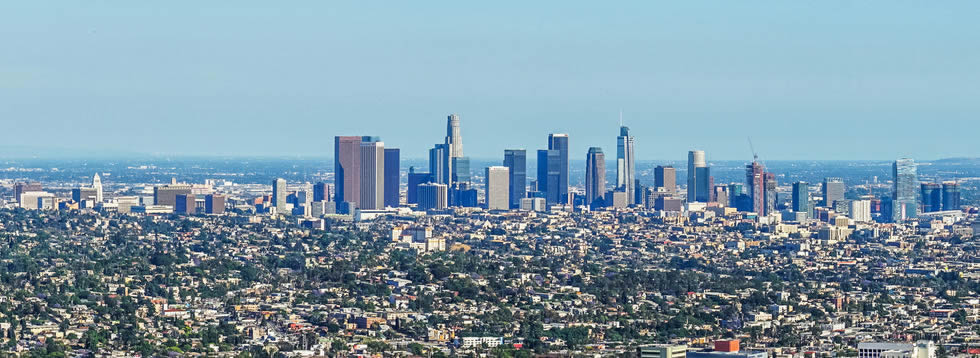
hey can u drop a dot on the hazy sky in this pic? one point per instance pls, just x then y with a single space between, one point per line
805 79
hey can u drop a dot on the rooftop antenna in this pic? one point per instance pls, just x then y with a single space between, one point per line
620 117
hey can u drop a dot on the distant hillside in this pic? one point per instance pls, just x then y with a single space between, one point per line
957 161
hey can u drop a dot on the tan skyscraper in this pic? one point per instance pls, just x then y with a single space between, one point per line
498 188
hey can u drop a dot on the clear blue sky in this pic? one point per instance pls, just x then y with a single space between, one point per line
806 79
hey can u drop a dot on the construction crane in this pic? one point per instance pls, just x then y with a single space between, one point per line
755 156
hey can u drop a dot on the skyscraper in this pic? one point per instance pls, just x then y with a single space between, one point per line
498 188
932 198
392 177
833 190
861 210
279 195
454 137
347 169
549 175
625 164
372 173
516 162
214 204
905 199
704 182
439 163
461 169
755 182
451 148
595 176
433 196
185 204
695 161
559 142
770 193
97 185
414 180
801 197
321 191
951 196
665 177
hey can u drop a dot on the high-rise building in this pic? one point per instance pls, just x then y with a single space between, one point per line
905 198
801 197
833 190
440 163
720 194
461 170
214 204
372 174
665 177
414 180
549 175
770 193
185 204
625 164
454 136
166 194
595 176
393 172
932 198
559 142
433 196
695 166
97 185
498 188
704 183
639 193
20 188
279 195
464 195
79 194
754 182
861 210
321 191
516 162
347 169
951 196
441 157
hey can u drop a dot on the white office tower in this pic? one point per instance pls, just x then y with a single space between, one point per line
626 164
372 175
97 185
498 188
861 210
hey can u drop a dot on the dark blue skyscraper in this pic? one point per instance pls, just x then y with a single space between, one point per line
549 175
461 169
951 196
801 197
392 177
559 143
516 161
439 165
932 199
595 177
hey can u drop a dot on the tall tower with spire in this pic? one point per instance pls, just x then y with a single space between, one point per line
97 185
625 162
